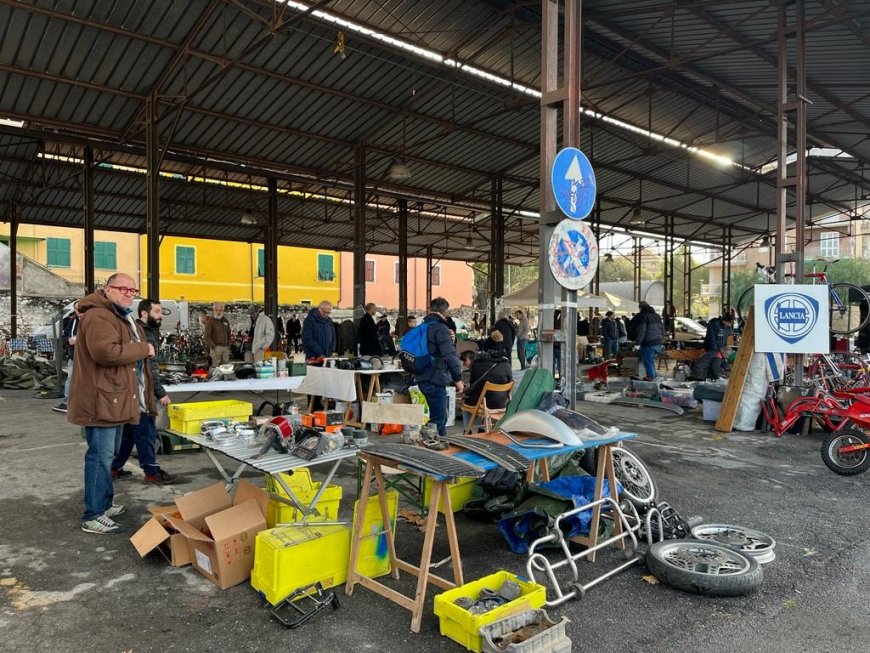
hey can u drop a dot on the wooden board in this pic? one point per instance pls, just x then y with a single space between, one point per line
376 413
737 377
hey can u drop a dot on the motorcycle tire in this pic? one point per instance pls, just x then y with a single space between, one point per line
703 567
848 464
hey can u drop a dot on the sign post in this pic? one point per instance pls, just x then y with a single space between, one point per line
792 319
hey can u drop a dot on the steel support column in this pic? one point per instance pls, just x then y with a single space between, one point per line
725 293
687 280
88 202
270 256
637 255
496 247
403 258
429 264
359 230
670 243
13 270
152 198
558 101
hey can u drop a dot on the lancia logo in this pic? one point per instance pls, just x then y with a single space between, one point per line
791 315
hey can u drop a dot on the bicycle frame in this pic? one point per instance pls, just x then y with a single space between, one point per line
833 411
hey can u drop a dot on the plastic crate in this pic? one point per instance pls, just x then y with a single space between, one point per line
300 479
463 627
278 512
461 492
291 557
297 369
171 443
551 640
187 418
678 397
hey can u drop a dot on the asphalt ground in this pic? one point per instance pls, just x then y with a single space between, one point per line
63 590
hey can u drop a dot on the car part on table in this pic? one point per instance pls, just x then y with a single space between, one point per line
494 451
704 567
633 475
847 452
279 433
425 460
750 542
309 444
314 595
537 422
646 403
538 563
245 371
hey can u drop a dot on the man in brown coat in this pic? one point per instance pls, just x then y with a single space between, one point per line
216 335
111 386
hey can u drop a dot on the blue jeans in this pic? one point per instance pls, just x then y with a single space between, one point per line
648 355
436 397
610 348
521 353
143 435
103 443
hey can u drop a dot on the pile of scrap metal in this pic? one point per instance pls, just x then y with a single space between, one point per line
27 372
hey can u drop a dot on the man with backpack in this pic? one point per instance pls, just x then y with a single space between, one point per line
429 354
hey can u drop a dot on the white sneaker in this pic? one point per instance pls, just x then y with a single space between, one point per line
115 510
101 525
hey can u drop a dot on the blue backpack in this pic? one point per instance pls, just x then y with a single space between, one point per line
414 350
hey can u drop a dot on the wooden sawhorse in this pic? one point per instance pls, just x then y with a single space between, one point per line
604 469
440 492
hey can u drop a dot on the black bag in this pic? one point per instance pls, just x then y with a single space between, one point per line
499 481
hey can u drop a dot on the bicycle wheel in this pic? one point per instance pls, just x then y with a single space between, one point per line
845 308
746 301
845 453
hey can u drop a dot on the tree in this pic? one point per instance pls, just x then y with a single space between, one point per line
619 269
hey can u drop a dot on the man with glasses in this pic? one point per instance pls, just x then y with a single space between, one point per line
217 336
111 386
318 339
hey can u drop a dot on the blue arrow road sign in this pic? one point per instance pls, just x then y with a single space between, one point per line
573 183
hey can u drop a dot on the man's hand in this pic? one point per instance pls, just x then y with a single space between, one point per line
459 385
637 347
164 400
150 350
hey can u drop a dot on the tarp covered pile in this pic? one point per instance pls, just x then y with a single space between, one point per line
26 372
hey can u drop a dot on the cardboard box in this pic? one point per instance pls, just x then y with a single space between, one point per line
220 531
159 534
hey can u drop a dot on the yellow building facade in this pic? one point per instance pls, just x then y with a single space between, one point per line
202 270
193 269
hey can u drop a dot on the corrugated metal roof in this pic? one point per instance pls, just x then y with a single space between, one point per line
285 102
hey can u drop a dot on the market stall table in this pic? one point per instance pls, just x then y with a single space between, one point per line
343 385
255 386
530 448
272 463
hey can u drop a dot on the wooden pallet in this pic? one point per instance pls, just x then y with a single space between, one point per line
737 377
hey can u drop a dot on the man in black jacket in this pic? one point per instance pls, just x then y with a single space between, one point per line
485 366
650 333
445 368
69 328
367 339
508 331
294 330
144 434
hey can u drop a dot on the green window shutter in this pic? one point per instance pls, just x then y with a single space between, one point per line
185 260
58 252
105 256
325 271
261 263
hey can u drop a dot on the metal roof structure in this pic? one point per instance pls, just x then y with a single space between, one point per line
252 89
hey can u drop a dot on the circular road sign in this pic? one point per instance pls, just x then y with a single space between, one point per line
573 254
573 183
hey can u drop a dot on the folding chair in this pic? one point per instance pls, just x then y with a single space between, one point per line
481 410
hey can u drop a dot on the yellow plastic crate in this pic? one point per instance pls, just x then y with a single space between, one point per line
374 554
461 492
291 557
187 418
461 626
278 512
299 480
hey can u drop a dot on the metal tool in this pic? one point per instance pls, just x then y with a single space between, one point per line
494 451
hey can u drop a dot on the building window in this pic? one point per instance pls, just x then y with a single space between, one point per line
370 271
105 256
57 252
829 244
436 275
325 270
185 260
261 263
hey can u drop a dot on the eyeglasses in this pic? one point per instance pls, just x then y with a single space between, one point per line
124 290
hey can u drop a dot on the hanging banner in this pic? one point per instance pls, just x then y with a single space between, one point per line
573 254
792 319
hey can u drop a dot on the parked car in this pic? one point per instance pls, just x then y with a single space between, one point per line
688 329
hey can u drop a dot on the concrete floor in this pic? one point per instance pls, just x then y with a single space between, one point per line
61 589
